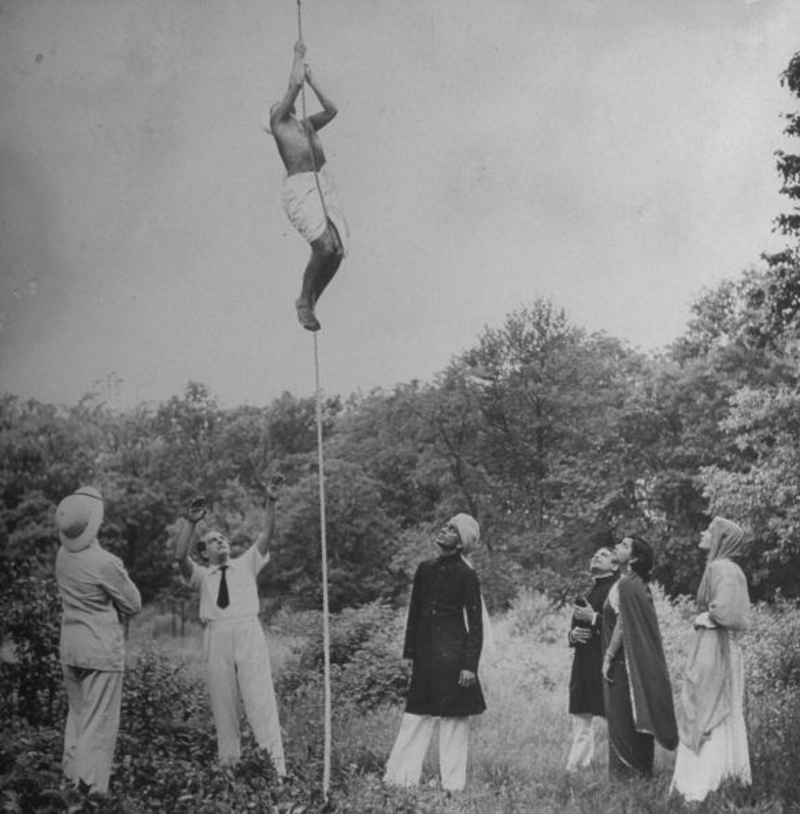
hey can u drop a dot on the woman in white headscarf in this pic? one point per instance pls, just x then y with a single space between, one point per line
711 721
444 639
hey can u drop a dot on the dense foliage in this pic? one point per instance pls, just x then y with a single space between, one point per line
555 439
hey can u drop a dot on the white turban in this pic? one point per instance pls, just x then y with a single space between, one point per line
468 530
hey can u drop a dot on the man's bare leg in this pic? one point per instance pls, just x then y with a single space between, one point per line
306 301
327 273
326 255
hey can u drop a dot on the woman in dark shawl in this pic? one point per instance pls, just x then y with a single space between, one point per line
711 717
638 695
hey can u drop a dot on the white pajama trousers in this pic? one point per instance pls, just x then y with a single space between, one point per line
404 766
90 736
237 666
581 753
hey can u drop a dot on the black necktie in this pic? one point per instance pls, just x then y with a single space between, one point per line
222 597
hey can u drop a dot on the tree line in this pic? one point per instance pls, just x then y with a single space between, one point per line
555 438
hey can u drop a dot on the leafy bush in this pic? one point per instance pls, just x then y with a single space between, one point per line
535 610
772 670
30 673
374 675
167 749
30 769
160 696
365 646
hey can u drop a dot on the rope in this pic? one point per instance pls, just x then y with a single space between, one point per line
305 125
326 647
326 774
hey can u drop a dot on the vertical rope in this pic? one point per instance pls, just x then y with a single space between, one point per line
326 774
326 647
305 125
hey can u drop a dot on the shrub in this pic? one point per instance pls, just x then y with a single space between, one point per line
772 685
30 769
160 696
30 674
374 675
535 610
365 646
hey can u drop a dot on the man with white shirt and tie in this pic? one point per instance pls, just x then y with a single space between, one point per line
236 654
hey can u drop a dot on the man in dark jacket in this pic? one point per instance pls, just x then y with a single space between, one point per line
586 680
444 637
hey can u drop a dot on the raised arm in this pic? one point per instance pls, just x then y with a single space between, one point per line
273 494
329 109
282 110
183 545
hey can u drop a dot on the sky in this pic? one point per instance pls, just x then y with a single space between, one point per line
615 157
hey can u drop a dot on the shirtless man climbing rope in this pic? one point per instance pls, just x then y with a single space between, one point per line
309 195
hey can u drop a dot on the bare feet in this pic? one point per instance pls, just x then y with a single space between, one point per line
305 314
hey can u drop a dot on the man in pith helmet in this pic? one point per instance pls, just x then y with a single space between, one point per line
96 592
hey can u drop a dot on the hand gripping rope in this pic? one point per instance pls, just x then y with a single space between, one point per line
326 774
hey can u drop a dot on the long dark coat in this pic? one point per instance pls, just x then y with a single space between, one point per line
586 679
440 642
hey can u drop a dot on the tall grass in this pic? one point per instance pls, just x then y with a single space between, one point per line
518 746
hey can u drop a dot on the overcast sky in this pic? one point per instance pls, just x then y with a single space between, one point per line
613 156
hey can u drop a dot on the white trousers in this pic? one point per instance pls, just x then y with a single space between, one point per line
581 752
90 737
238 667
405 762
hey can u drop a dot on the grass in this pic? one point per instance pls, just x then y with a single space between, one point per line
518 747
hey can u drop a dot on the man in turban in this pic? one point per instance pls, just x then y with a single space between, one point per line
444 638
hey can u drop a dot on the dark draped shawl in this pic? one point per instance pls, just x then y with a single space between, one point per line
651 692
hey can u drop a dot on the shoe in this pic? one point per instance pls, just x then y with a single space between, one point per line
305 314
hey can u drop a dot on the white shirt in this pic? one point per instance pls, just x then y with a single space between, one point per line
613 597
240 576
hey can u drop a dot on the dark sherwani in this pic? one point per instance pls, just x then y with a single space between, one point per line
586 678
440 642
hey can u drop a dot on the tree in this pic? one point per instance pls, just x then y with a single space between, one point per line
779 295
359 536
765 494
758 484
390 436
549 397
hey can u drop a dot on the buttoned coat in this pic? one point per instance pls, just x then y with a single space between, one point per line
95 590
586 679
444 636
